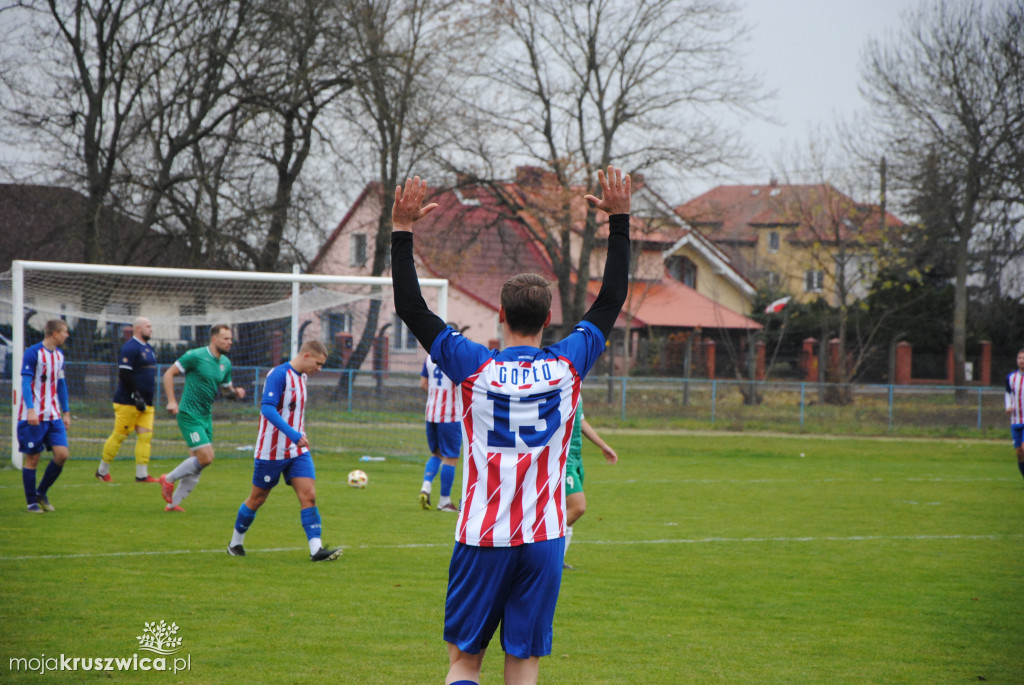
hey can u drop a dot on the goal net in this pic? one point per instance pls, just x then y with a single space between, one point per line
366 401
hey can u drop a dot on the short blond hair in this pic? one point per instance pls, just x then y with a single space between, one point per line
314 347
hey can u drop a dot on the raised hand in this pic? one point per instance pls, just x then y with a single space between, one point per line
615 192
409 207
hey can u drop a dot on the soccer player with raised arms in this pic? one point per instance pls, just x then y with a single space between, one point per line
207 371
43 414
519 406
133 402
282 448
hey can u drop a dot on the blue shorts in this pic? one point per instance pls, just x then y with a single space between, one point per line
33 439
266 472
1016 430
445 438
516 586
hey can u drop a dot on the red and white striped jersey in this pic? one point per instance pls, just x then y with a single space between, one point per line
44 369
1015 396
443 405
284 393
519 409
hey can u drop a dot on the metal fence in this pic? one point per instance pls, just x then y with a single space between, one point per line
382 413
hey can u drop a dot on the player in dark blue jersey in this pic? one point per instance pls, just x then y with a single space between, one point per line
133 402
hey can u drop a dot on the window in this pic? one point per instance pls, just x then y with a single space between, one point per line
338 322
771 279
123 313
402 339
682 269
814 281
357 250
188 332
773 241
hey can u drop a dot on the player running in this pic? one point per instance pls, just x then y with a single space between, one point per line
282 448
207 371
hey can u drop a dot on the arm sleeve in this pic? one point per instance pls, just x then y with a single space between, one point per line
62 394
26 391
269 411
409 303
125 376
615 285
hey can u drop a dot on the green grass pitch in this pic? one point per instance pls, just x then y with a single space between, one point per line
701 559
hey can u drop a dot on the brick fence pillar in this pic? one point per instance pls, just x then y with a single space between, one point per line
759 348
986 362
808 361
709 358
904 357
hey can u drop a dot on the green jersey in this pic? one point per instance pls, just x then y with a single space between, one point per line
575 456
204 377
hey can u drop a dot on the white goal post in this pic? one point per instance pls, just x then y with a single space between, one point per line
240 298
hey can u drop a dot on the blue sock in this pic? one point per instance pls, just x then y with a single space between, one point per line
28 479
430 470
311 522
447 478
465 682
53 470
244 518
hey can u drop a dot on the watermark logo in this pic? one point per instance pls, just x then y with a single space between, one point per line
159 638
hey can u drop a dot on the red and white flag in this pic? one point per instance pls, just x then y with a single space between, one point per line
777 306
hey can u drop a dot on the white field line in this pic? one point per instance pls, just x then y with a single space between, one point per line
647 481
678 541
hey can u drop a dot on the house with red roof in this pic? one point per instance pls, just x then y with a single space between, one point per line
807 241
476 241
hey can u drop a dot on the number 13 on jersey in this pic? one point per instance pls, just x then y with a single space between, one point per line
532 418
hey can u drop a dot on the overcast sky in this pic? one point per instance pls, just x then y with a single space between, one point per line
809 52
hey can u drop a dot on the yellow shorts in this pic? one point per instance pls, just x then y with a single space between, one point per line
128 418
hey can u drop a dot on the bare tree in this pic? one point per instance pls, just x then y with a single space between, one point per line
76 76
945 93
405 54
578 85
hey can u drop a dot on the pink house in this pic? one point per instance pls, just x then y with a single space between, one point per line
476 243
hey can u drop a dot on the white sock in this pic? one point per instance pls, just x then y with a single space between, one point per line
142 471
426 487
103 469
184 489
568 538
444 500
189 467
236 538
314 545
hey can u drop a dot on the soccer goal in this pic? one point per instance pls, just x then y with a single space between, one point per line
363 401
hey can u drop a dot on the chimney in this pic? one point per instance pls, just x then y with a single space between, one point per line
534 177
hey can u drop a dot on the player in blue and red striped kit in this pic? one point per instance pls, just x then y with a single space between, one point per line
282 448
43 414
442 416
1015 408
519 406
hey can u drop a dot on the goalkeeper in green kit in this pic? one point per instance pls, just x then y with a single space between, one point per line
207 372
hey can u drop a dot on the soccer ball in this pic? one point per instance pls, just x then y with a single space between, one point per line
357 479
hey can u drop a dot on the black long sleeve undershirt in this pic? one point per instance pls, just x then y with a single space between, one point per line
409 303
426 326
615 283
